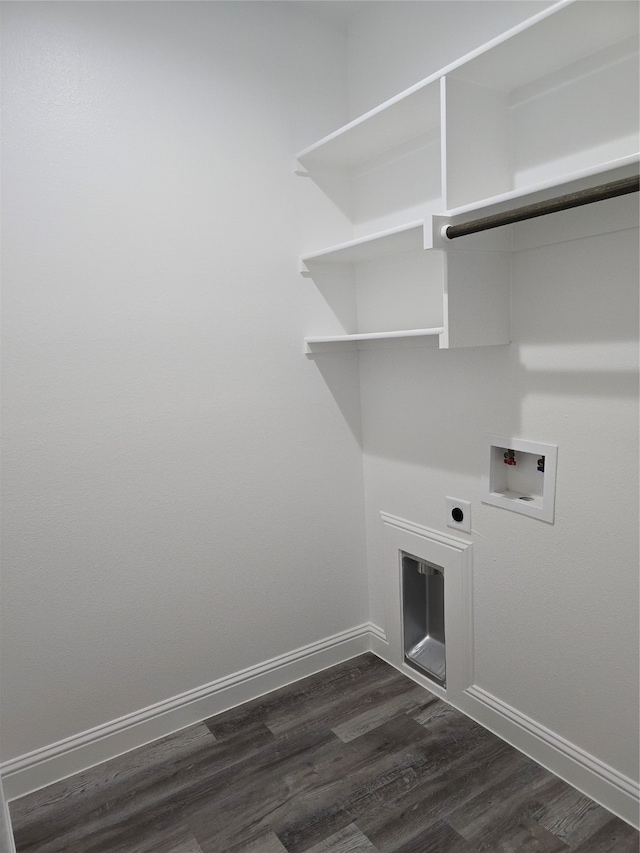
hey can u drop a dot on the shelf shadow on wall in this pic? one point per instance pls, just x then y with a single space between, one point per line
419 404
430 408
340 371
601 384
574 307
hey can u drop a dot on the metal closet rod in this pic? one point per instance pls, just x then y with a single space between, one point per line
542 208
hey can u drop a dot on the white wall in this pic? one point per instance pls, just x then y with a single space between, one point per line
183 492
556 616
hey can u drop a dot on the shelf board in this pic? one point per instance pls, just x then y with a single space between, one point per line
403 238
354 340
541 55
559 36
375 336
409 115
533 49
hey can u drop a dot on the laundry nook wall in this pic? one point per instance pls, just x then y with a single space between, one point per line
568 379
195 504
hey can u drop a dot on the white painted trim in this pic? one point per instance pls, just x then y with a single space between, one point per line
59 760
455 557
376 633
427 532
378 643
602 783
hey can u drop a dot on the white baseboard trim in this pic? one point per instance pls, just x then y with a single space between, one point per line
57 761
378 643
616 792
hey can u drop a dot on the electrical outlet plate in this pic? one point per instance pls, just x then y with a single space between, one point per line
465 508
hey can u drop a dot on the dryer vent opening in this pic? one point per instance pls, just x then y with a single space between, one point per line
423 617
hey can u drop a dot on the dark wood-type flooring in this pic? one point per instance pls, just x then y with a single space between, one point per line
356 758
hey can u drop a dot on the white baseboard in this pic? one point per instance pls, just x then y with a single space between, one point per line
378 643
49 764
583 771
57 761
597 780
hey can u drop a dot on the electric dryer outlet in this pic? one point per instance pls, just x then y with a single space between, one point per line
459 514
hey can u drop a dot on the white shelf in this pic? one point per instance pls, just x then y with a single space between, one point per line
391 241
411 236
548 108
565 33
375 336
379 294
561 35
410 115
556 98
383 168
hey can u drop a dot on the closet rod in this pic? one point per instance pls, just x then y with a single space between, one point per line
542 208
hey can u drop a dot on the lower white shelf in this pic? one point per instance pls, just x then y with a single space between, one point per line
403 238
357 339
457 298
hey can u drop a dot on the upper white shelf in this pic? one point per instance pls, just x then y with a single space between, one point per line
561 35
548 108
412 114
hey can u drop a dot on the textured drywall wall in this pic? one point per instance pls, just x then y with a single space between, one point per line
182 492
555 606
182 489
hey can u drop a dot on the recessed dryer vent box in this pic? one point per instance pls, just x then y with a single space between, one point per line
520 476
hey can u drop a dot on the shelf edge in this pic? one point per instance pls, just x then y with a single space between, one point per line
375 336
434 77
363 241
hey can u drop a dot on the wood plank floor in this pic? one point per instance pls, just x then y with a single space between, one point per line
356 758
